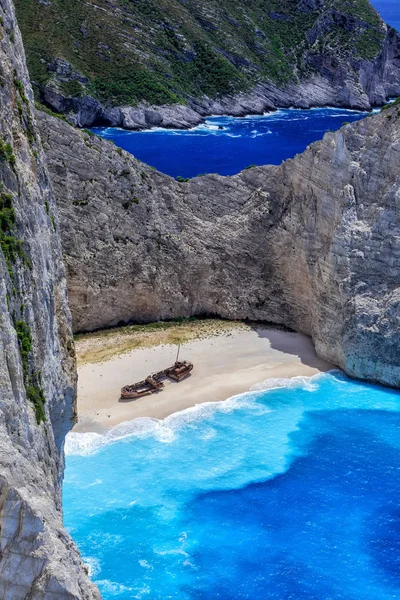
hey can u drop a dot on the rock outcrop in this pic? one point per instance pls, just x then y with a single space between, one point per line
313 244
361 91
140 64
38 559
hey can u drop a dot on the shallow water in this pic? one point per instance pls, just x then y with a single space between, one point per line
285 493
259 140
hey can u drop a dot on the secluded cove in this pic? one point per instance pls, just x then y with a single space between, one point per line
226 145
282 492
228 356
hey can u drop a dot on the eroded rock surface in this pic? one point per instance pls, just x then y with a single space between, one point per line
313 244
38 560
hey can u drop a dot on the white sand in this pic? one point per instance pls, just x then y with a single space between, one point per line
223 366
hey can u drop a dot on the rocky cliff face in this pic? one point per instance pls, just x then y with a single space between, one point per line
171 62
38 559
313 244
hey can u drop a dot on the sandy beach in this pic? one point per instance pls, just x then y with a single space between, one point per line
224 365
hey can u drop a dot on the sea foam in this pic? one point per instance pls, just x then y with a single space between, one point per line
227 145
283 491
83 444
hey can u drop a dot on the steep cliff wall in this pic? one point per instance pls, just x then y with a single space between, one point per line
313 244
38 560
170 62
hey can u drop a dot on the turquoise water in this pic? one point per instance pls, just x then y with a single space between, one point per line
226 145
288 493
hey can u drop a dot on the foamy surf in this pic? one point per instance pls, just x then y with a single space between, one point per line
164 430
227 145
306 383
231 496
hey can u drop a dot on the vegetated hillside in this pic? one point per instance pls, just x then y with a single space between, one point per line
123 52
312 244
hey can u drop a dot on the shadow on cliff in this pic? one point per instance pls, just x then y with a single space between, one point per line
295 344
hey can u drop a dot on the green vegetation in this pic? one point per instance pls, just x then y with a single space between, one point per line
128 203
72 88
20 87
164 51
34 391
25 344
367 39
10 245
362 8
102 345
391 104
6 152
48 111
12 249
369 43
183 179
7 213
137 83
208 73
35 394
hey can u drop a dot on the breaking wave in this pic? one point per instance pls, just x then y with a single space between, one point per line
227 145
83 444
281 490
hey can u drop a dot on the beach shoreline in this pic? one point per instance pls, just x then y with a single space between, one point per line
226 363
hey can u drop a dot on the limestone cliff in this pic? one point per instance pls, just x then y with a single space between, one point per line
313 244
170 62
38 559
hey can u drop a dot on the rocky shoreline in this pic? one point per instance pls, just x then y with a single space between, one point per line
346 57
317 92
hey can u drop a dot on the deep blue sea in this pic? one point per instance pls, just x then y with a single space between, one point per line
389 11
289 493
241 142
226 145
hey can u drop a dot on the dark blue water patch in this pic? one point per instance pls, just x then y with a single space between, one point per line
283 494
389 11
226 145
327 529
